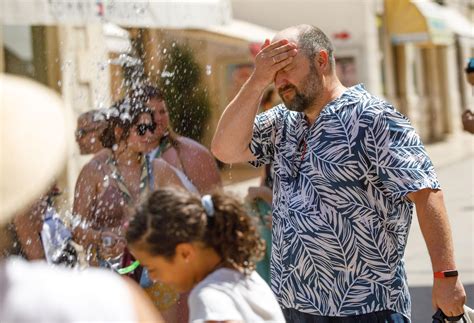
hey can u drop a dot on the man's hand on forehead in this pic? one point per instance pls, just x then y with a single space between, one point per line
273 57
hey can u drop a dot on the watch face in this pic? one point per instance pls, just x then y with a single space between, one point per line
451 273
446 273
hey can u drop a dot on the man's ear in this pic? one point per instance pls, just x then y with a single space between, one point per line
322 60
185 252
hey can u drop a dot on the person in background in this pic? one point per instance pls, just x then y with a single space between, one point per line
207 245
35 291
196 164
39 233
24 231
193 163
111 184
90 126
259 199
468 115
349 169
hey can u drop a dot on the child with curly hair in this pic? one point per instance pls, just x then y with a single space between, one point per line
208 245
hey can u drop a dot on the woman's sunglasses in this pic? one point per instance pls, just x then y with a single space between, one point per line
143 127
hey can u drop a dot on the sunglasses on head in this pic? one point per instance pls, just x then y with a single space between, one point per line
143 127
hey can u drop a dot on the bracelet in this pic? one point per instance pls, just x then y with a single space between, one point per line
129 269
446 274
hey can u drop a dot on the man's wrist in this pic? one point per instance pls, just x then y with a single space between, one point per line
258 83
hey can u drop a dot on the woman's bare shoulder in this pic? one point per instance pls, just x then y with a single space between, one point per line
160 163
165 174
94 166
102 155
192 147
163 168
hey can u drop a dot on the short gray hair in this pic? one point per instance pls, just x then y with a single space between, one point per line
313 40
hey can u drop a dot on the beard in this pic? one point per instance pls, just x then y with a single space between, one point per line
304 98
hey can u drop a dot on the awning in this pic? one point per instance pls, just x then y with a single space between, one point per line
418 21
146 13
117 39
243 30
459 24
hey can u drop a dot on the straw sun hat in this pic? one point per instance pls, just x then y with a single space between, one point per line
32 142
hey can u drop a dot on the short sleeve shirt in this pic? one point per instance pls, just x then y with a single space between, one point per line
227 294
340 212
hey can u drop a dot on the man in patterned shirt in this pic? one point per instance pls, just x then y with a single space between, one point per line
348 170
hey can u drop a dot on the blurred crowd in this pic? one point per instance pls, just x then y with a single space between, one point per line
134 152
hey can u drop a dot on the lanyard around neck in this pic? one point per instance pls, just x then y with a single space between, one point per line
165 144
144 179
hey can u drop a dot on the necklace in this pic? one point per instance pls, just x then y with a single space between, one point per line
144 179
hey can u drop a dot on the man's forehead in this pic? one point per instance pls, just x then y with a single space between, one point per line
154 103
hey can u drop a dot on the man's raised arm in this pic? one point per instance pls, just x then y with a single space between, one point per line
234 130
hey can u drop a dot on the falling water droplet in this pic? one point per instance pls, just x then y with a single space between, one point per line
208 69
106 181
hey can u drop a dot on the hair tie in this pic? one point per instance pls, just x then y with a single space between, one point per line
207 204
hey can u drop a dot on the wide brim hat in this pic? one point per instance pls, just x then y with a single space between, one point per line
33 142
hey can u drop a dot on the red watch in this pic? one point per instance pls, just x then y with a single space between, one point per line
446 274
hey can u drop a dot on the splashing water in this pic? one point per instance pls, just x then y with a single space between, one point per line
106 181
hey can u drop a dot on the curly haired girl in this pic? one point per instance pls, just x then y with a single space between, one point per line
208 245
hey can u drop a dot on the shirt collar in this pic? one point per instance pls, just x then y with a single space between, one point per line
350 96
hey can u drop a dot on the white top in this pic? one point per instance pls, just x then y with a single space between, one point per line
36 292
227 294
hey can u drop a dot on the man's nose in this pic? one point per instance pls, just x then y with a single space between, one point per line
280 80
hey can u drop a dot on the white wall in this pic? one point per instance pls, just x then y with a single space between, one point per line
85 83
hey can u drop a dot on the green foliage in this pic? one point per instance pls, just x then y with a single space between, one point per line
186 97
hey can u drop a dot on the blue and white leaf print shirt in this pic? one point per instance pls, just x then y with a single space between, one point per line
340 212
